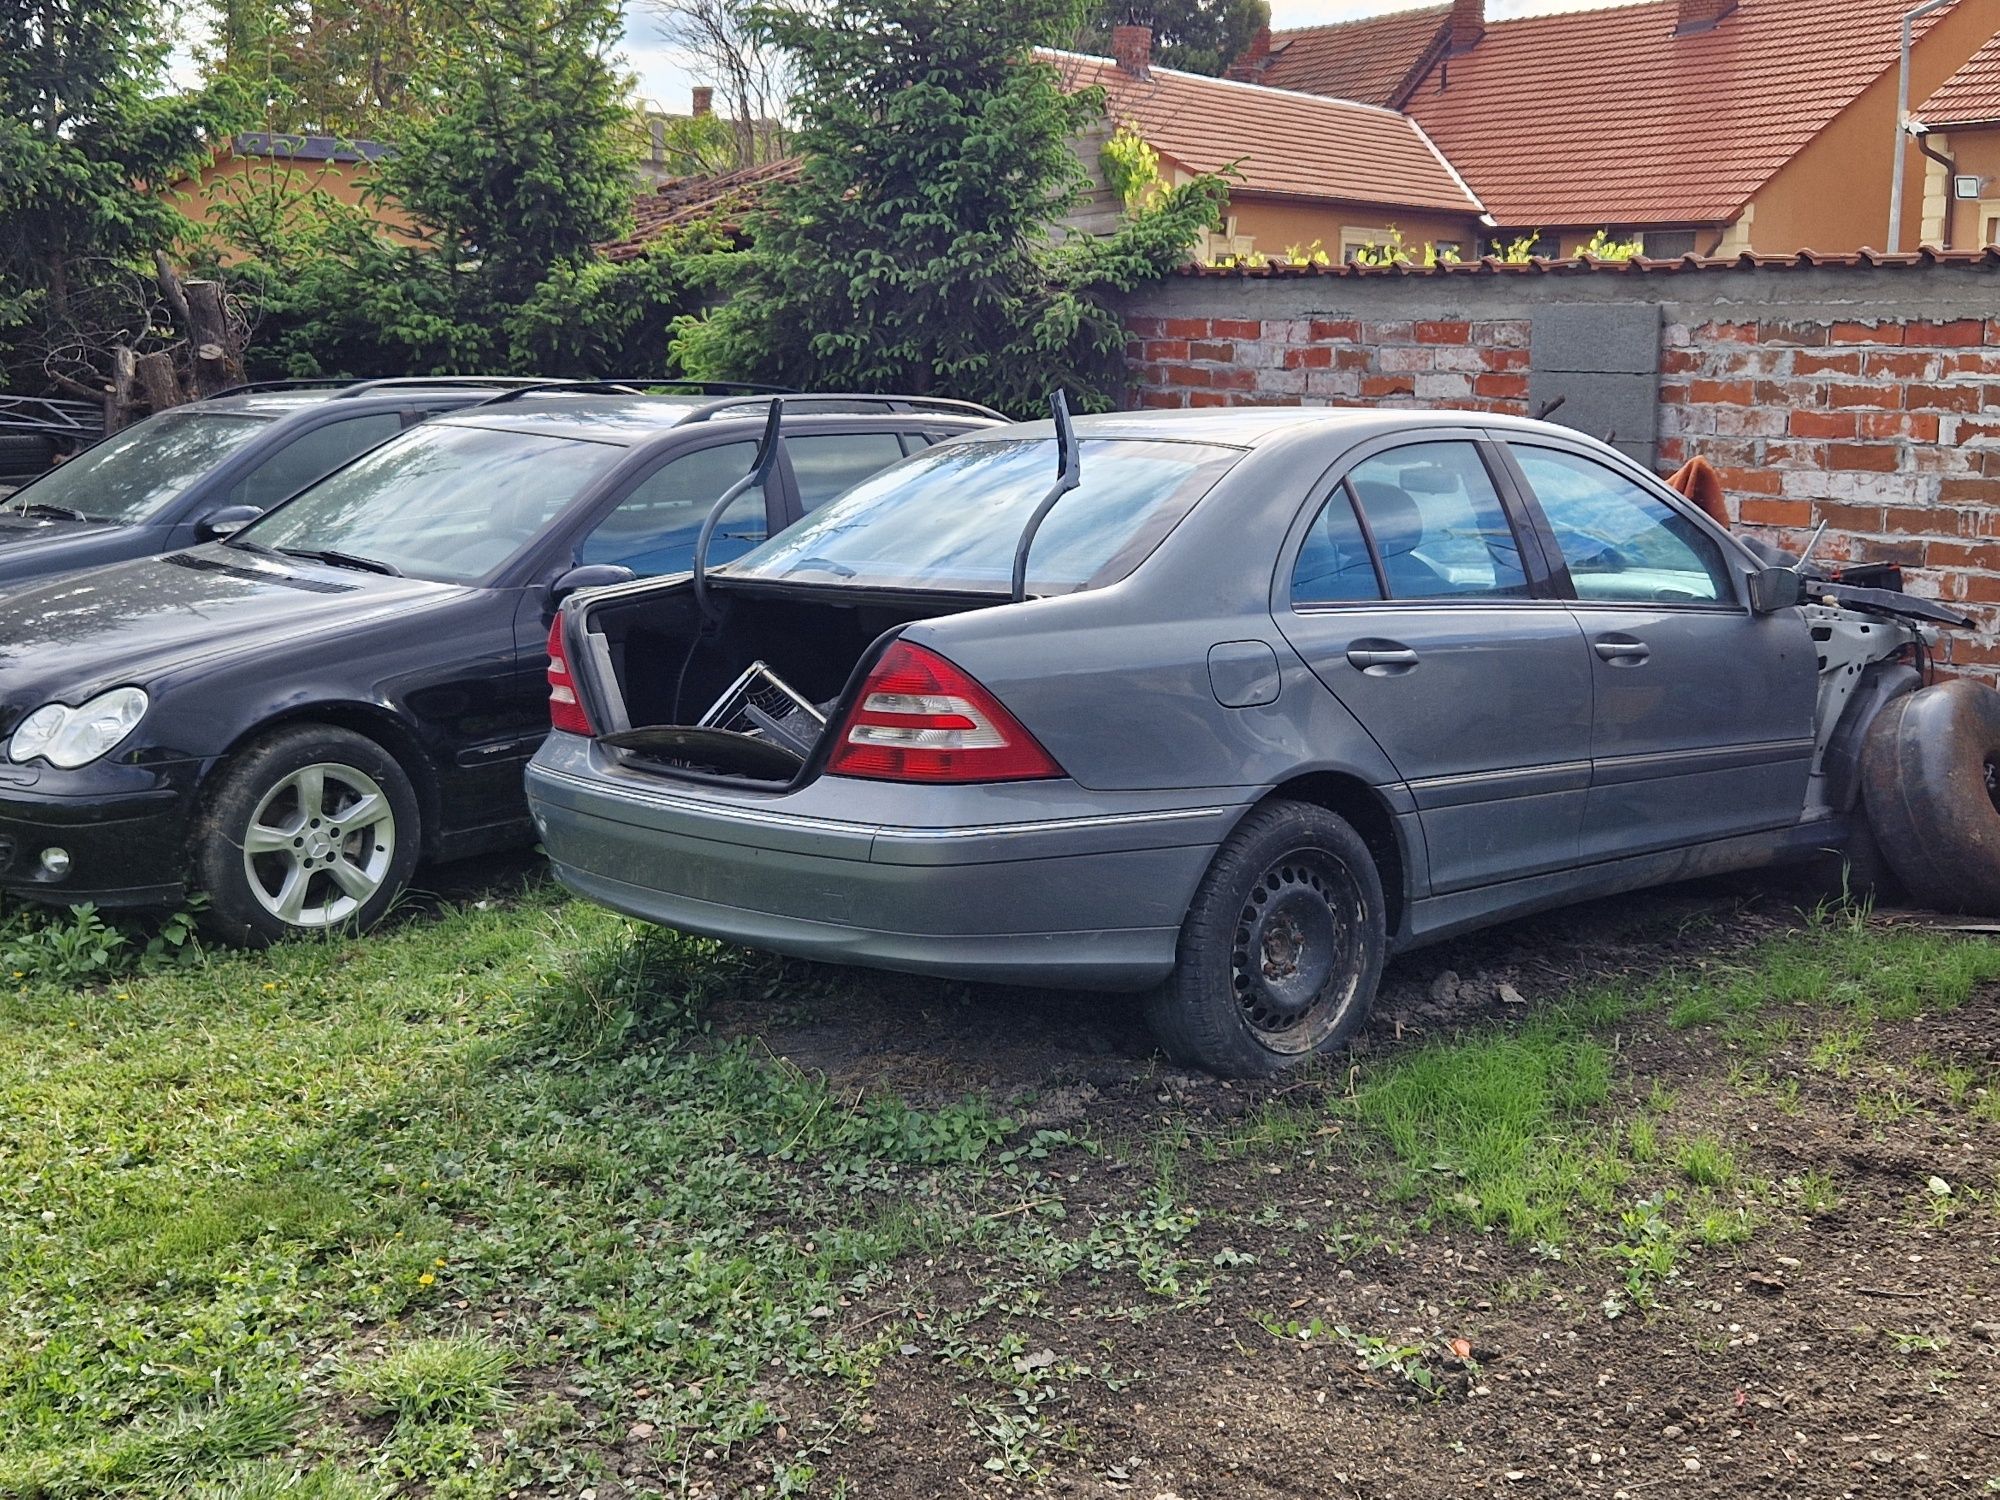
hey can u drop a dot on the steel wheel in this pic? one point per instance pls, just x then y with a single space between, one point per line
321 843
1295 964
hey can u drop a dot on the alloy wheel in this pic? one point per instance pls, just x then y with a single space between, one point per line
320 845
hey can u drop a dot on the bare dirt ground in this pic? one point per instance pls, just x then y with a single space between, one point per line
1846 1348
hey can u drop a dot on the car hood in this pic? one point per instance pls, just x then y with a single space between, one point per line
134 621
40 546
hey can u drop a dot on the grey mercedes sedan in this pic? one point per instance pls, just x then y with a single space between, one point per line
1228 706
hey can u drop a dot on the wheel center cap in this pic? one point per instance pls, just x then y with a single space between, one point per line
1282 944
318 845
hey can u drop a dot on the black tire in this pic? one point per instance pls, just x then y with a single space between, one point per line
25 455
263 792
1295 886
1929 776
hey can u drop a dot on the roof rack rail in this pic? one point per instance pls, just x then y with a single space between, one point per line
432 382
633 385
350 386
248 387
795 403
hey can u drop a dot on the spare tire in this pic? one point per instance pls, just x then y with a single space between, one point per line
1930 777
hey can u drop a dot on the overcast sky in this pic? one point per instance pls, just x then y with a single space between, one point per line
665 80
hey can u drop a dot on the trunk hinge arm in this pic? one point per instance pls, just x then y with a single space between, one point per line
760 470
1068 468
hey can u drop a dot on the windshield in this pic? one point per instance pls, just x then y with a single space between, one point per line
949 519
446 502
133 473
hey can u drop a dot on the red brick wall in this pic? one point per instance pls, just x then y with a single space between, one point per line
1884 430
1887 428
1479 364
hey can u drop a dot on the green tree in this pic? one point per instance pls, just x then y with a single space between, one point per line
1195 36
517 159
89 139
338 67
915 251
522 155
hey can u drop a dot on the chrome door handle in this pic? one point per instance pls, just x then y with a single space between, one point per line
1622 650
1383 660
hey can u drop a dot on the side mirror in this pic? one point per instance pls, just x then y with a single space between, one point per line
1773 589
218 525
588 576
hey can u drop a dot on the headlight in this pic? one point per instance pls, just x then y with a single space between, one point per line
72 737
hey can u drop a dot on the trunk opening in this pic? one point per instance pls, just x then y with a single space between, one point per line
653 673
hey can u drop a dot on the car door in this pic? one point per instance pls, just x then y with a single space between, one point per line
652 525
1415 601
1703 712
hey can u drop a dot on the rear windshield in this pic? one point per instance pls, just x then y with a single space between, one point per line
949 519
133 473
445 502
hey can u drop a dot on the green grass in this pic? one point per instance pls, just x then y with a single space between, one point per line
1481 1125
447 1212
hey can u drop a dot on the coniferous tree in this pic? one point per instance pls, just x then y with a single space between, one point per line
918 249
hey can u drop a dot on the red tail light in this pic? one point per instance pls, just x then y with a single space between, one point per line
566 711
920 718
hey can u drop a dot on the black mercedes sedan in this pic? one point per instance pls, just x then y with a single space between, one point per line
289 720
198 472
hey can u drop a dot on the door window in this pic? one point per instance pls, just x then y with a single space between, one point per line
827 464
653 529
312 456
1622 544
1438 527
1334 565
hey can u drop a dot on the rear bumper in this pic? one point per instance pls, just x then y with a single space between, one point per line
123 828
1035 883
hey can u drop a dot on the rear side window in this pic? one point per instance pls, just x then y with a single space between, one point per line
949 519
831 462
1438 527
1622 545
313 455
653 529
1334 565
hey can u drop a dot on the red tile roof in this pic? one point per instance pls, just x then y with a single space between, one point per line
1285 144
1606 117
1969 96
1370 60
1803 260
682 201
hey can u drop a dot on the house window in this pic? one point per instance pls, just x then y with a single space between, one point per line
1668 244
1354 240
1989 224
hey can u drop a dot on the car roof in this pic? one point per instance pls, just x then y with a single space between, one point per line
1257 426
629 420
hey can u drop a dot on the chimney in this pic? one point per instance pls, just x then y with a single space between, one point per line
1700 15
1468 24
704 100
1250 61
1132 47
